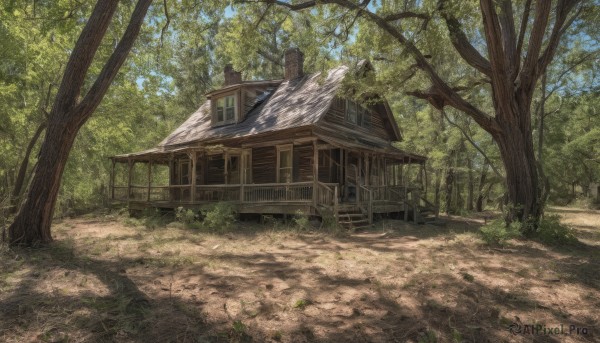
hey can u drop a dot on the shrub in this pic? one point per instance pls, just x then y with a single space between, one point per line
301 221
219 216
185 216
153 218
497 232
552 231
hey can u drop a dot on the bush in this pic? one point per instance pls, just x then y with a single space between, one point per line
154 219
552 231
497 232
301 221
185 216
219 216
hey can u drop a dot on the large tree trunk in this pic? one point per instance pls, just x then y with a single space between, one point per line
516 149
32 224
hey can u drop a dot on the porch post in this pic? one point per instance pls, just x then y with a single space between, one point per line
149 179
226 169
112 179
171 177
367 171
315 171
193 192
130 165
358 172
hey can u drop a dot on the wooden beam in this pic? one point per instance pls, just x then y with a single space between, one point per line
315 171
149 180
130 165
193 175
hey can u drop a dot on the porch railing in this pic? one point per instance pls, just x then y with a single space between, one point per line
278 192
246 193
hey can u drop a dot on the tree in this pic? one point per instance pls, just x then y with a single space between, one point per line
68 114
514 59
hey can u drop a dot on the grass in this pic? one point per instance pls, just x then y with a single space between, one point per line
118 279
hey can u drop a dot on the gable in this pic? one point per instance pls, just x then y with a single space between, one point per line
294 103
379 122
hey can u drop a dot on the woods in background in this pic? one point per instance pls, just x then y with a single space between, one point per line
183 46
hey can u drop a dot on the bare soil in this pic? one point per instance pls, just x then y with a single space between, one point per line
108 278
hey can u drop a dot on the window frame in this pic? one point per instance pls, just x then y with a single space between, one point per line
215 108
281 148
362 114
185 172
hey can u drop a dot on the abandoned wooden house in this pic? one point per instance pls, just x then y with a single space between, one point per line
278 147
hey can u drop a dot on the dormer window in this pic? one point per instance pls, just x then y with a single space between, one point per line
225 110
357 114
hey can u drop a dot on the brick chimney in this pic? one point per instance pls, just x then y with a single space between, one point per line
294 63
232 77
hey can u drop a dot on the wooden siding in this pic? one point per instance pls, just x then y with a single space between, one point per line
302 166
376 125
215 171
263 165
328 170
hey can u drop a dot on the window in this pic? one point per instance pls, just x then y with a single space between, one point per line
357 114
351 112
284 164
226 109
184 172
233 169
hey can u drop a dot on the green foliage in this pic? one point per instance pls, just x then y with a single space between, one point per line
239 327
301 221
185 216
428 336
219 216
153 218
498 233
302 303
551 231
468 277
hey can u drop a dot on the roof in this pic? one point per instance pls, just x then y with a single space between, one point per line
295 103
288 104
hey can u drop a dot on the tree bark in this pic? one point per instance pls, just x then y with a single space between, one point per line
480 194
471 186
18 187
517 152
31 226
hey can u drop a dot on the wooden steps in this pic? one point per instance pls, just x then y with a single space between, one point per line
350 216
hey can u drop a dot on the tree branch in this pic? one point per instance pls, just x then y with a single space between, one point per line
404 15
509 36
522 31
83 55
116 60
166 26
528 72
462 45
496 171
560 25
450 97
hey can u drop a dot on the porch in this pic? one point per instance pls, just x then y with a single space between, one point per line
311 176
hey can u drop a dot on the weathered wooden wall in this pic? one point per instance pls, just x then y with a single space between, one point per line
264 164
215 170
337 115
302 167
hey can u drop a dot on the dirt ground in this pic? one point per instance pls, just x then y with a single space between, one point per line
107 278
